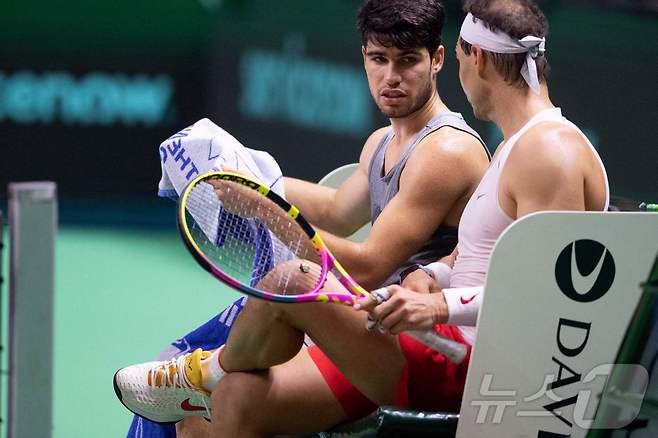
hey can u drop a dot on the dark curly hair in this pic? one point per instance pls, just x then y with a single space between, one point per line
404 24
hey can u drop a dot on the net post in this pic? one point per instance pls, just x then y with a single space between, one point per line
3 369
33 226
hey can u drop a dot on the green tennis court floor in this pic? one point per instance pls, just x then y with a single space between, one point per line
121 296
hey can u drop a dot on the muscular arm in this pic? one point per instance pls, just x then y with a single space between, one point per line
545 171
443 169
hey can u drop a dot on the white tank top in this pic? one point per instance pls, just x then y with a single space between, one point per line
484 220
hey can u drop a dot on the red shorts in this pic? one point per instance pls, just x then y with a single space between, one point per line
428 381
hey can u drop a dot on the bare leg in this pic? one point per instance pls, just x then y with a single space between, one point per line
193 427
265 403
267 334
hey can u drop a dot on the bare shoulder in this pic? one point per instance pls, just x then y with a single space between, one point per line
448 140
370 146
552 167
448 161
451 152
551 147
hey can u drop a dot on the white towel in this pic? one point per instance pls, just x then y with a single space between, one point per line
203 147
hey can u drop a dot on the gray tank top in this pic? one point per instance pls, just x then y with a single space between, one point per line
384 188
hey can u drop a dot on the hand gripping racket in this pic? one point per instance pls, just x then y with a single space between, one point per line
257 243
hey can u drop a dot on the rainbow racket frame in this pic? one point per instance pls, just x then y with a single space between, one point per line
328 261
454 351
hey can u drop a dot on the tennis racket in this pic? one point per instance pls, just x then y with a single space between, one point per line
254 241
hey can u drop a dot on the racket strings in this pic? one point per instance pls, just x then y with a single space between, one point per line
252 239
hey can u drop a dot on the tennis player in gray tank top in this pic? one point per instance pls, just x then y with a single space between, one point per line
413 179
383 187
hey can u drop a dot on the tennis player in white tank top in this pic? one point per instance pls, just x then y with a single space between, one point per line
484 220
544 163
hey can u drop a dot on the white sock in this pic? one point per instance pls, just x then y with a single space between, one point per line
211 370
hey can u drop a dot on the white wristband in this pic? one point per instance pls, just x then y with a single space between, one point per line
463 304
440 272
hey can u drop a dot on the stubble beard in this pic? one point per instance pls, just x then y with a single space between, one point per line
423 97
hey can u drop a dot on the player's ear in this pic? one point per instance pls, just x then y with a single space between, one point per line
481 60
438 58
363 53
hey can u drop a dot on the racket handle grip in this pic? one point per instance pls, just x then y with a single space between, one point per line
454 351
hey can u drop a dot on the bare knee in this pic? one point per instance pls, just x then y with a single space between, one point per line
292 277
268 312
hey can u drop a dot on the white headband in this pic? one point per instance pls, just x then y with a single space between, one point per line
474 32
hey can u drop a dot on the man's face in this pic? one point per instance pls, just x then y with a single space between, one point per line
471 84
401 81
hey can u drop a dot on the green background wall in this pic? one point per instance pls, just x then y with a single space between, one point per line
125 285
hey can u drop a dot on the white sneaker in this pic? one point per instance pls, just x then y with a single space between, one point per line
167 391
